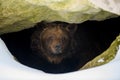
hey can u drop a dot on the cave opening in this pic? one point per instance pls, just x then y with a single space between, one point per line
94 38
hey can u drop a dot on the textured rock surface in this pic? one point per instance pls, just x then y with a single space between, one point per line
112 6
16 15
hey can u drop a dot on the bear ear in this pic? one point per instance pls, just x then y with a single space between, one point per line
40 25
71 28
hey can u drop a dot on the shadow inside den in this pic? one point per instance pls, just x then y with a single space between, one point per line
93 37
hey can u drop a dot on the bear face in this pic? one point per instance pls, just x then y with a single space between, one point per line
55 42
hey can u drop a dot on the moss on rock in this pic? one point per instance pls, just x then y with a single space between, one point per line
16 15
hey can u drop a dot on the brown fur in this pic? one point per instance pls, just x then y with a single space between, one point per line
55 41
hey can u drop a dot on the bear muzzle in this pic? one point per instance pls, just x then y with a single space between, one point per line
58 49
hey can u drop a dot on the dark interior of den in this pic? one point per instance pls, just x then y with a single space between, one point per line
93 37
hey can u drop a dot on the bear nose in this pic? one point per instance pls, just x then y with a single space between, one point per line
58 48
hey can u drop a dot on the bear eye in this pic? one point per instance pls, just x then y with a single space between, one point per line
63 39
50 38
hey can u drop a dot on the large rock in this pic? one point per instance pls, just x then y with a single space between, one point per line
16 15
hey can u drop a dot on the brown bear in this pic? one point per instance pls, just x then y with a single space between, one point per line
55 41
